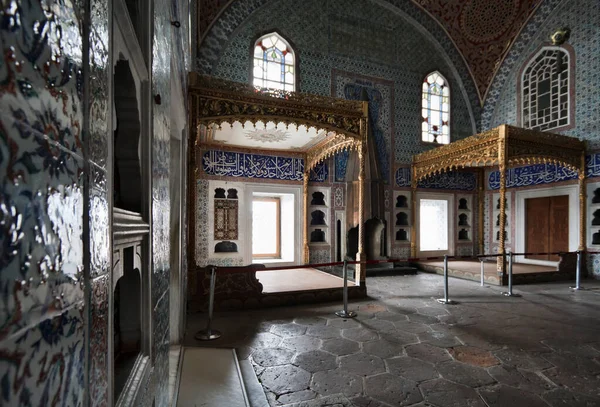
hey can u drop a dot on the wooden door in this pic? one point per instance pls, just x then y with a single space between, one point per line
547 226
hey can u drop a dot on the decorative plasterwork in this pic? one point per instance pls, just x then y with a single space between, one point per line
500 146
482 30
215 101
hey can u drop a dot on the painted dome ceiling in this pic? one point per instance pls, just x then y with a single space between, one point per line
482 30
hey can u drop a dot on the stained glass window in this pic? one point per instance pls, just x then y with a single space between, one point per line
435 109
274 63
545 98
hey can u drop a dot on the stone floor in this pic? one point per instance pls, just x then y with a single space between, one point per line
405 349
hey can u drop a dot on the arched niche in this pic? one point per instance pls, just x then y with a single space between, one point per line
127 164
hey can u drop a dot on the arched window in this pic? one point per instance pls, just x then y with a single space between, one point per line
274 63
435 109
545 96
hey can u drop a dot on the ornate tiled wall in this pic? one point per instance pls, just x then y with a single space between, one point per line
43 313
55 263
364 32
405 61
348 48
583 18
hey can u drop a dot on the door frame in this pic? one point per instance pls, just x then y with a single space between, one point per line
439 196
573 192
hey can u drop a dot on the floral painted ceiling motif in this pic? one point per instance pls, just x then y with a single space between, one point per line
483 30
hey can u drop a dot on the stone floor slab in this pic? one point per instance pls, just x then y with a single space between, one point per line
444 393
284 379
440 339
264 340
267 357
360 334
473 356
522 379
288 330
522 359
401 337
301 343
393 390
340 346
324 332
564 398
310 321
315 361
411 368
384 349
335 382
391 316
464 374
412 327
362 364
423 319
428 353
302 395
503 396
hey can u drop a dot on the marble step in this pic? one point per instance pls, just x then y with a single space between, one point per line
255 391
211 377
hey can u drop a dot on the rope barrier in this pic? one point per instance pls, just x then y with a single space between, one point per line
208 333
227 270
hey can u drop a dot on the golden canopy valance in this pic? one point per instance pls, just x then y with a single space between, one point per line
504 145
215 101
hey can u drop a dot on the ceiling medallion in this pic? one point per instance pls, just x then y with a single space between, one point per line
267 135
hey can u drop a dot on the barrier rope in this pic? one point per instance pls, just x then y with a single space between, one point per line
227 270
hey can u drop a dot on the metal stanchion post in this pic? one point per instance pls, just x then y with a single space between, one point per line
509 293
578 272
345 313
482 267
446 300
209 334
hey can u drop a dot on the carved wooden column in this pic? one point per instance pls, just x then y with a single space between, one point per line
502 169
481 200
305 220
360 256
582 204
413 213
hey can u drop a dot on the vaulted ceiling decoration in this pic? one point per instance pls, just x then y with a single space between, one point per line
483 31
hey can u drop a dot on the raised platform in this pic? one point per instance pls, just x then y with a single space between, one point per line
522 273
285 281
255 286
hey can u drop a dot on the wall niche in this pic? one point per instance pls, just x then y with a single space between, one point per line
226 214
593 215
464 218
318 215
402 214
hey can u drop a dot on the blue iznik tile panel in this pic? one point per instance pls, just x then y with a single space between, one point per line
232 164
583 18
531 175
43 311
341 165
377 33
403 177
540 174
376 44
460 181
